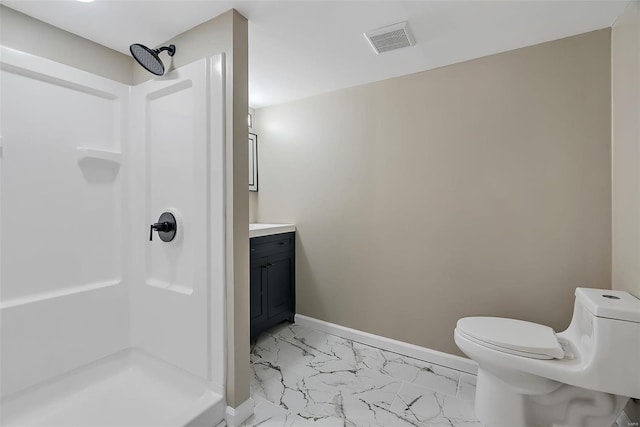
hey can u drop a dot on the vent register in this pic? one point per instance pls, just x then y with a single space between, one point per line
391 37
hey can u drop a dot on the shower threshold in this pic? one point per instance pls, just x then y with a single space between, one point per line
126 389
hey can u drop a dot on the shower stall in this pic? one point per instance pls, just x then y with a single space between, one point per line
101 325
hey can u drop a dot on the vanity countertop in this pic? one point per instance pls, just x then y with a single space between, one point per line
259 230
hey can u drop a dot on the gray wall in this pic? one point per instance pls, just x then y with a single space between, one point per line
21 32
481 188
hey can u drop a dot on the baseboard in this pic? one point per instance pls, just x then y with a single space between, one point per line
431 356
236 416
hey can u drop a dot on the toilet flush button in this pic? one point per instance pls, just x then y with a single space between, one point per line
610 296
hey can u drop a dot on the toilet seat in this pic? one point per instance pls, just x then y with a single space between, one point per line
512 336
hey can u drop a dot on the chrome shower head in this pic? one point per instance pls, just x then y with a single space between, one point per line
149 59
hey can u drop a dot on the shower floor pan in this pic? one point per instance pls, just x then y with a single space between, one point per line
128 389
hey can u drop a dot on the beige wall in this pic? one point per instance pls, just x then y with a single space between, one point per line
238 371
21 32
253 196
253 206
228 33
625 96
625 135
482 188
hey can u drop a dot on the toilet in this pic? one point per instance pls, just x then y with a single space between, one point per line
529 376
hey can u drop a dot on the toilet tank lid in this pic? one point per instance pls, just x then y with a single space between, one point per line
618 305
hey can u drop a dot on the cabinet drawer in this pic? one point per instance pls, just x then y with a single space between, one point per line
271 244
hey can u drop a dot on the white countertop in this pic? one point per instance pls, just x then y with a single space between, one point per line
259 230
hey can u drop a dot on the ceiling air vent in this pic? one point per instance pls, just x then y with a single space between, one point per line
391 37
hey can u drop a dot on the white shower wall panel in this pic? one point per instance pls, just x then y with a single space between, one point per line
177 161
47 338
175 180
65 220
63 303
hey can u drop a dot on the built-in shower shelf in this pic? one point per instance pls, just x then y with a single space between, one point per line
95 156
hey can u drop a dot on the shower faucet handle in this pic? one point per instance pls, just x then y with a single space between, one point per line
166 227
159 226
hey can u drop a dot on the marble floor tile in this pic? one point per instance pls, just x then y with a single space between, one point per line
324 422
366 409
276 351
434 377
423 406
290 390
266 413
321 353
467 387
306 377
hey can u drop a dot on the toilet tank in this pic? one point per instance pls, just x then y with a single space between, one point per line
617 305
605 334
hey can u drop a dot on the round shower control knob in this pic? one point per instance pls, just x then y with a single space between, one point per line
167 227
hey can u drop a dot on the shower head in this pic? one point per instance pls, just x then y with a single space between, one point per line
149 59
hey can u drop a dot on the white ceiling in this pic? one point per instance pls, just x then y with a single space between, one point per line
302 48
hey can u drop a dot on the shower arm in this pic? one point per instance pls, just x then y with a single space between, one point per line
171 50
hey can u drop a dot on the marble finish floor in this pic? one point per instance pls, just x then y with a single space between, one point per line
303 377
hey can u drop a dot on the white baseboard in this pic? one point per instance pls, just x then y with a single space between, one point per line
431 356
236 416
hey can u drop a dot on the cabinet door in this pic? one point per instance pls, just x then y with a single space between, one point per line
258 289
279 293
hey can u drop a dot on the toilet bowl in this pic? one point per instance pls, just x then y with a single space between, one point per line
529 376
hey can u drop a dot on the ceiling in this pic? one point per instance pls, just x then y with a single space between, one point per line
305 47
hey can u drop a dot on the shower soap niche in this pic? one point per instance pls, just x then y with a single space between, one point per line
93 156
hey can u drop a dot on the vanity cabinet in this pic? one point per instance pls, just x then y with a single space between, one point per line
273 279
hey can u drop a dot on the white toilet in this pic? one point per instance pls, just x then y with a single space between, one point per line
529 376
